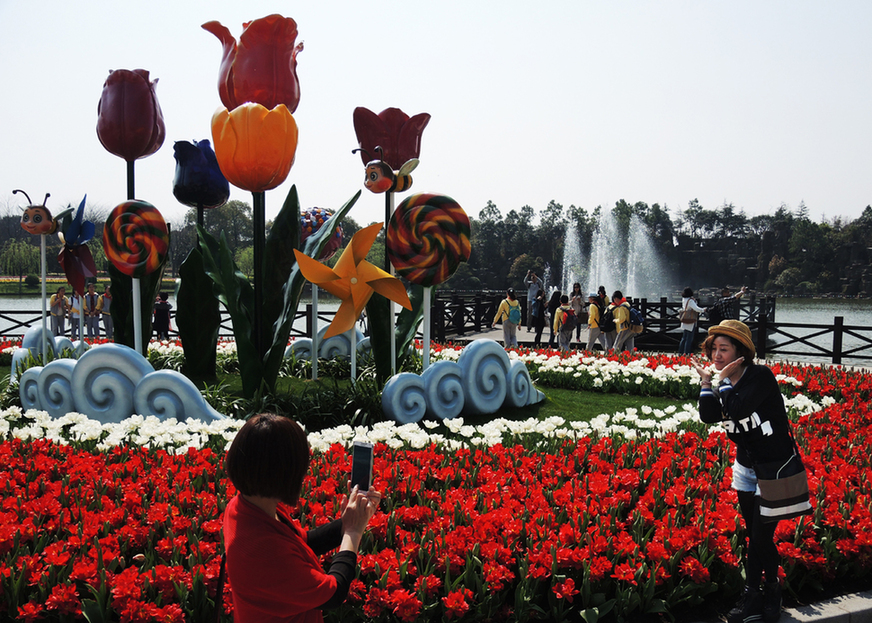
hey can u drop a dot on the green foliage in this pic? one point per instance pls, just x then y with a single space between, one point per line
31 281
198 319
283 285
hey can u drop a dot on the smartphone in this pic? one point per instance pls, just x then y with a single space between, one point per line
361 465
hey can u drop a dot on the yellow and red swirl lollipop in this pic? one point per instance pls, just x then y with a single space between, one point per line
427 238
136 239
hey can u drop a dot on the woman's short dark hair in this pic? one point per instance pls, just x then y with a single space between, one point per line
511 293
269 458
741 350
688 292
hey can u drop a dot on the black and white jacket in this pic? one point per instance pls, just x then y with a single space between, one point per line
753 414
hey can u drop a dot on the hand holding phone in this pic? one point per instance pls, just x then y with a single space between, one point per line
361 465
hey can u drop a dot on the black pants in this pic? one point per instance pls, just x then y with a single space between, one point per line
762 557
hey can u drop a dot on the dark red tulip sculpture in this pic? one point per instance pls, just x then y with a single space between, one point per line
262 67
130 123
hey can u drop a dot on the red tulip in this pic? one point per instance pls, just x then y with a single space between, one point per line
129 119
398 135
262 68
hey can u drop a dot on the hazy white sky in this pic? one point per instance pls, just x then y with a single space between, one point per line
746 102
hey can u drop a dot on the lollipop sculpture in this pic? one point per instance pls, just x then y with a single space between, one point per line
427 239
310 222
136 241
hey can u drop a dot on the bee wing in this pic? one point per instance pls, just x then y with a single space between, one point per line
409 166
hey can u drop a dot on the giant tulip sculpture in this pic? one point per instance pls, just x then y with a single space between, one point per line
389 141
129 119
198 181
262 67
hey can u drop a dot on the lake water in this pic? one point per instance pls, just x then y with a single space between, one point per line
855 312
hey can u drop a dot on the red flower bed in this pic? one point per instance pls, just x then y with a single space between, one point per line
503 533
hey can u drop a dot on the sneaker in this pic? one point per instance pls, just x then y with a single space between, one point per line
771 601
749 607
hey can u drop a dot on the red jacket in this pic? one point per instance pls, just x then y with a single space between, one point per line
275 576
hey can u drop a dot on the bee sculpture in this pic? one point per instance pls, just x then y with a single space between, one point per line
380 178
36 218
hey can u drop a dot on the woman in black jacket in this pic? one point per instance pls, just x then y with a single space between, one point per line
749 403
553 304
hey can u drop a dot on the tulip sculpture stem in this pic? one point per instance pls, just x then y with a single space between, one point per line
135 284
259 242
389 211
131 180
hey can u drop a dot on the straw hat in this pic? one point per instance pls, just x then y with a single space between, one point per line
737 330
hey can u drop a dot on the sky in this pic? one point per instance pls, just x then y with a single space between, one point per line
755 104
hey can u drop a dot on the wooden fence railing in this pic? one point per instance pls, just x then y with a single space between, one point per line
461 318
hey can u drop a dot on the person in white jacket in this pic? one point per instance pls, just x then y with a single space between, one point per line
688 315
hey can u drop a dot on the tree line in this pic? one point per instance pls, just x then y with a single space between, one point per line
780 253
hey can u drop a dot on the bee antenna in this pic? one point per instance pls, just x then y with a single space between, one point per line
44 201
18 190
381 152
354 151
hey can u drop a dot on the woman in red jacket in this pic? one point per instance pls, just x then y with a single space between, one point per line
272 562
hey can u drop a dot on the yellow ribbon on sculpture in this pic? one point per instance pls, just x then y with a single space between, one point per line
353 280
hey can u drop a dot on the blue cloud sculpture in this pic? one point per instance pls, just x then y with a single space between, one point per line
338 346
483 380
109 383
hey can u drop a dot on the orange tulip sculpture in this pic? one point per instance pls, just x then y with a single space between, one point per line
353 280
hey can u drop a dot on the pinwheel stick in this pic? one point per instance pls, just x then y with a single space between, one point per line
315 339
389 211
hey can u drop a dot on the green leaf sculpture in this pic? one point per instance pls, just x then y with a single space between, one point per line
283 288
198 319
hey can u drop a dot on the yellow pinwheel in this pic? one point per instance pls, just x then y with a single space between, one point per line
353 280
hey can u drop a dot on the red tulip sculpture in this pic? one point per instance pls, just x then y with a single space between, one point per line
255 135
130 122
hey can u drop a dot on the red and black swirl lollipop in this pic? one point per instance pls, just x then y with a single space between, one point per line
136 239
427 238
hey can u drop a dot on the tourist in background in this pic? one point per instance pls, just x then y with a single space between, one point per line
594 313
603 296
509 312
724 307
539 317
75 323
553 304
106 312
58 306
272 561
162 317
564 335
576 301
688 315
621 311
534 286
93 307
750 405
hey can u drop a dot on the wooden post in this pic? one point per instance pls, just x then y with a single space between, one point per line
762 330
838 329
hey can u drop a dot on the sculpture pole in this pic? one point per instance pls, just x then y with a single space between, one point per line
136 288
